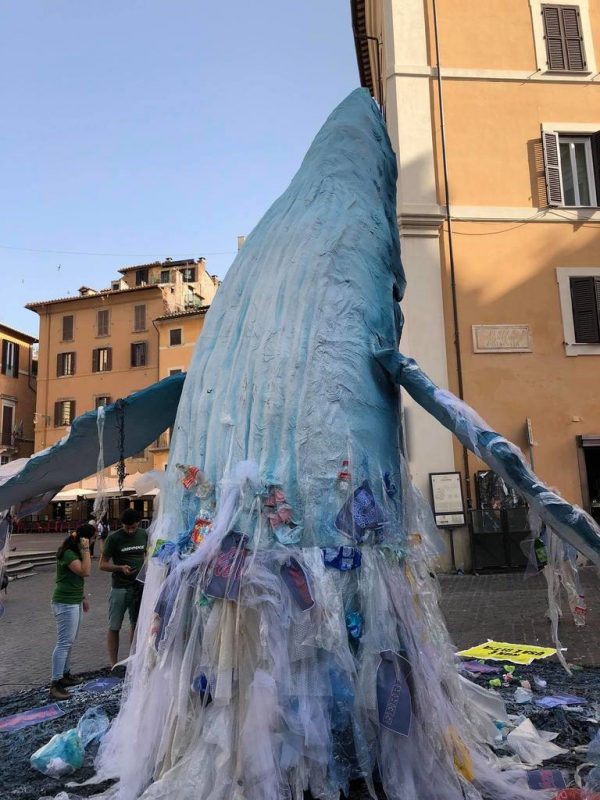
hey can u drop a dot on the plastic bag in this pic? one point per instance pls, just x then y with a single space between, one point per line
93 725
65 752
532 746
62 755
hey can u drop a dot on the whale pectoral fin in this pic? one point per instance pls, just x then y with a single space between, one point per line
391 361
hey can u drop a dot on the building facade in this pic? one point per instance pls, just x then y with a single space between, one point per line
494 114
100 345
18 368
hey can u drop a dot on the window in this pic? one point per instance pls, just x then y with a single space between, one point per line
165 276
572 164
103 400
564 38
64 413
102 359
141 277
175 371
139 318
585 303
141 456
9 365
139 354
67 328
188 274
115 286
8 421
65 364
6 460
103 322
175 336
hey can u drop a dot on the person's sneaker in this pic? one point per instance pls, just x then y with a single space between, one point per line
58 691
71 680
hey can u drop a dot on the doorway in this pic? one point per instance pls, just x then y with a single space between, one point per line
588 452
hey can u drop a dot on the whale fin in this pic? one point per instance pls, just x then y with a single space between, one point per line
571 523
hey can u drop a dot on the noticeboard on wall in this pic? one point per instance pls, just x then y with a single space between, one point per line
447 497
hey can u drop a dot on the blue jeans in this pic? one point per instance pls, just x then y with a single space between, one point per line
68 619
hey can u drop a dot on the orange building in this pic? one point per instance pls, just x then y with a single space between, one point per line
18 366
493 110
100 345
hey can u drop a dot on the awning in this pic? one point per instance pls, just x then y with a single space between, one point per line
68 495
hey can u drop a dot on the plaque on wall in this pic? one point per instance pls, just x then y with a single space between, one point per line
446 493
501 339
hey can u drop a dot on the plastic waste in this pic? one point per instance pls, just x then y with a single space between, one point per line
93 725
62 755
523 695
495 682
539 683
65 752
592 782
554 700
487 711
532 746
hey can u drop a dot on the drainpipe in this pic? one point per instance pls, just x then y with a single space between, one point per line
456 331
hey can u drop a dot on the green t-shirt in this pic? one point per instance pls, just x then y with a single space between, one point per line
126 548
69 587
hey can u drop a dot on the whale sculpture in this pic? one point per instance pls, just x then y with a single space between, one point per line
289 638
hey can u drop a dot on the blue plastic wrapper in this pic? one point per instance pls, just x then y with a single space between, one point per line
62 755
93 725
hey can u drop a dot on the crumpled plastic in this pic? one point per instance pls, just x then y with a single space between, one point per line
532 746
65 752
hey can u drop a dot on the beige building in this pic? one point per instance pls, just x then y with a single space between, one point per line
18 367
493 110
100 345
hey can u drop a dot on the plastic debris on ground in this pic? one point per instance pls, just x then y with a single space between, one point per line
18 781
65 752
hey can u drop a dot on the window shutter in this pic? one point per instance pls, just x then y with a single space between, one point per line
573 38
595 142
553 34
16 365
109 358
3 365
139 322
133 364
554 184
71 411
67 331
95 360
584 299
57 414
59 365
144 354
73 357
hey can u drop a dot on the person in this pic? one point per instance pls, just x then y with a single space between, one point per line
105 532
94 524
73 565
126 549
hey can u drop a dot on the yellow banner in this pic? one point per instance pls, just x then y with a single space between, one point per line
503 651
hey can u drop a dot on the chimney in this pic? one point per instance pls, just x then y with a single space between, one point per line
240 240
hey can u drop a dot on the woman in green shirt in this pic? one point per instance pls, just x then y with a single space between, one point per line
73 565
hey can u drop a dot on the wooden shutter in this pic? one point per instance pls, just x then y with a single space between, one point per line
144 354
57 409
573 38
554 40
595 142
3 364
67 331
16 361
95 360
585 294
564 38
71 411
108 358
59 365
139 321
554 184
103 321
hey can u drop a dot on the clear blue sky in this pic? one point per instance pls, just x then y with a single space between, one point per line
147 128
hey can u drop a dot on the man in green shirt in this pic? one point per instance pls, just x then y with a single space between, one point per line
126 548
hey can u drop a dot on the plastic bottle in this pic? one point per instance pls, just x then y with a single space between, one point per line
580 612
343 478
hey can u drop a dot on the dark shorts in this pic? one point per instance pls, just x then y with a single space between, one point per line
122 600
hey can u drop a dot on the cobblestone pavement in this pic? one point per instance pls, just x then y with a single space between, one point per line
509 607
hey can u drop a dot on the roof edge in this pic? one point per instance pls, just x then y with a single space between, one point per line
361 44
